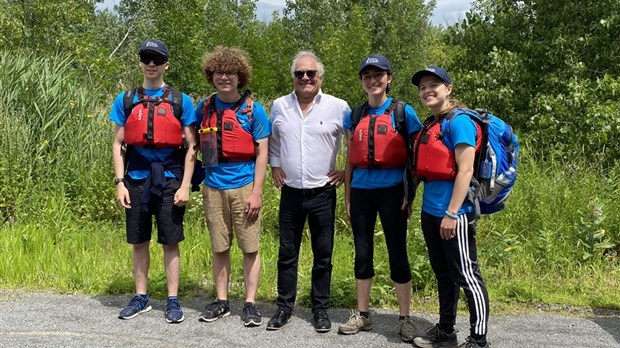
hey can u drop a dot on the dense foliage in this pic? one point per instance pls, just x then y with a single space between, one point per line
551 67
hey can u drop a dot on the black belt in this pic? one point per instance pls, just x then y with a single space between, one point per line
309 191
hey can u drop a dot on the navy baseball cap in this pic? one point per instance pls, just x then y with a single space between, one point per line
440 73
376 60
155 46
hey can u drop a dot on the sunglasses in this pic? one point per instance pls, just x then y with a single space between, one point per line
299 74
377 75
157 59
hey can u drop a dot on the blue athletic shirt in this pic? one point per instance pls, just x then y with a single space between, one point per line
381 178
233 175
437 193
117 115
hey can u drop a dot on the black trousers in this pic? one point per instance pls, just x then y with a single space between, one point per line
365 205
318 206
455 264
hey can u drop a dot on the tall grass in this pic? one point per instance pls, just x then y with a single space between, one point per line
556 242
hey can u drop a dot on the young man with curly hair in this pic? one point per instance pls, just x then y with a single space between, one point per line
234 175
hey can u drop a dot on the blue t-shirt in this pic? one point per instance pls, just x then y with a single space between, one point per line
117 115
437 193
381 178
233 175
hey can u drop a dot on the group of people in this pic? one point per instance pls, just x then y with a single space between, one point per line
159 135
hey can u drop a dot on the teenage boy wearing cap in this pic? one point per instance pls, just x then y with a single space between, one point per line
447 218
375 185
156 180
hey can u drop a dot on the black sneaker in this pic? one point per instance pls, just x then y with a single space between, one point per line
435 337
251 315
472 343
278 320
215 310
321 321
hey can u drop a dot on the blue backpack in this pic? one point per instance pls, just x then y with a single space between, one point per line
495 166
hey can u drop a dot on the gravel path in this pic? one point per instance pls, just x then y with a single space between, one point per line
52 320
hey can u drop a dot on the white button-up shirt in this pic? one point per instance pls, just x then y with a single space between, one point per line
305 147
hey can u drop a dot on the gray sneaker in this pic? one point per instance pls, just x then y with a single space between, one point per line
355 323
435 337
407 330
215 310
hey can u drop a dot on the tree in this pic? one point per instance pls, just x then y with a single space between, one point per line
540 64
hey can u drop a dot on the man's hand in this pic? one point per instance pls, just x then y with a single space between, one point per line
336 178
181 197
122 196
278 176
253 205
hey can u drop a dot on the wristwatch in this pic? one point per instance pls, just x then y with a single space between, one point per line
119 180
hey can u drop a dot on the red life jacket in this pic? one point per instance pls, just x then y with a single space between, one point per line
374 142
234 144
433 160
153 122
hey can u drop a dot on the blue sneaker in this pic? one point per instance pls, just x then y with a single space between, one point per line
138 304
174 312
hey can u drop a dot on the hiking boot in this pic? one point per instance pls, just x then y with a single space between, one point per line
251 315
435 337
138 304
472 343
215 310
407 330
355 323
278 320
174 312
321 321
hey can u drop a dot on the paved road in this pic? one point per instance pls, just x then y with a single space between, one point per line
51 320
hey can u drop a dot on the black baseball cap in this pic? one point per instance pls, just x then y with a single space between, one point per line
154 46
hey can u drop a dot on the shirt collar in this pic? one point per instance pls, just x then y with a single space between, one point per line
317 97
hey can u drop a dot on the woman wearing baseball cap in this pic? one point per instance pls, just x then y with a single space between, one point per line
379 133
448 221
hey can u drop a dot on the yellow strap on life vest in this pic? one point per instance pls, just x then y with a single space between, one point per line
207 130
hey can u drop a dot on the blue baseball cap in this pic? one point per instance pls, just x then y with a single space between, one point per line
155 46
440 73
376 60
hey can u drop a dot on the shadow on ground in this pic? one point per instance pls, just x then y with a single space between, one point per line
608 320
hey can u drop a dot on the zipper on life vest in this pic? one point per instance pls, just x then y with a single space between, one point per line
371 140
149 126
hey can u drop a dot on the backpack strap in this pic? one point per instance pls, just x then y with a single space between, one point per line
357 113
401 127
128 101
399 118
177 103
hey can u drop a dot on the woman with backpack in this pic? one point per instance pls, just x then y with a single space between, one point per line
379 134
444 154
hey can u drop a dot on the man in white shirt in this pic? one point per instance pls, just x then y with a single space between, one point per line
306 136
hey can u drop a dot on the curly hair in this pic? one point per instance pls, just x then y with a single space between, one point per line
228 59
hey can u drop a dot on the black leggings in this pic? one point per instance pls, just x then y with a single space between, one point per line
455 264
365 204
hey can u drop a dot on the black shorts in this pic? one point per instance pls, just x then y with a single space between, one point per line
168 216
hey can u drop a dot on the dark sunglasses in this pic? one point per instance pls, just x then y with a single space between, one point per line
300 74
158 59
